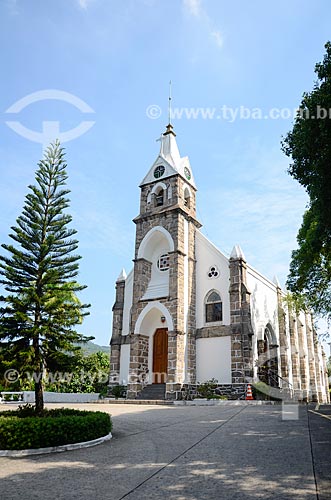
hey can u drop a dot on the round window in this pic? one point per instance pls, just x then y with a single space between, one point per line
213 272
163 262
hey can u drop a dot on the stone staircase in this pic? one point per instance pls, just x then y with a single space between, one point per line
152 392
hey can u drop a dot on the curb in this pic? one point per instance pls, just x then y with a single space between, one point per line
205 402
163 402
54 449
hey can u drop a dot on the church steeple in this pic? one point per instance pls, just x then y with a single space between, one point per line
169 149
169 161
169 183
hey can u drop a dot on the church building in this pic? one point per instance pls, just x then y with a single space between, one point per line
186 313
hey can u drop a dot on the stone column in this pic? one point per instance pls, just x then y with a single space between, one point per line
115 343
138 369
115 354
176 366
317 369
284 358
241 329
295 356
304 375
191 359
326 378
311 360
190 376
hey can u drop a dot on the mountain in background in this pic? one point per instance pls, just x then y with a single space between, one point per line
90 348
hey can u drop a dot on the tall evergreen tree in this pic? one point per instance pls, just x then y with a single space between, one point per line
308 145
40 309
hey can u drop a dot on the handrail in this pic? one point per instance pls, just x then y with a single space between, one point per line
276 378
11 395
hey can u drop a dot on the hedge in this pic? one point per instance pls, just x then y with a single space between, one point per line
52 428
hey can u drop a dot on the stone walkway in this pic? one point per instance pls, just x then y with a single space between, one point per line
185 453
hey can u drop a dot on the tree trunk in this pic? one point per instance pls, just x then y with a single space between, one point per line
38 382
38 391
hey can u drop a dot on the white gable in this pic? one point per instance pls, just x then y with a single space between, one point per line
209 257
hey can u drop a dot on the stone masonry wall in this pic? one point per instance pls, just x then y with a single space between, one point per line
138 364
174 196
295 356
241 329
313 393
115 344
170 216
283 342
302 360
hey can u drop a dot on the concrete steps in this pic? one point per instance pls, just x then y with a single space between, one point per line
153 392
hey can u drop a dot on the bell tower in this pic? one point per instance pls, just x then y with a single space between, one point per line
164 274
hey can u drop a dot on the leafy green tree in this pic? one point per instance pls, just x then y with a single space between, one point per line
40 309
89 373
309 146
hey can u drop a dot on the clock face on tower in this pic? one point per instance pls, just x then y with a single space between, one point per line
187 173
159 171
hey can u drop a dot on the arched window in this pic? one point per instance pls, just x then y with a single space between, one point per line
187 198
213 307
159 197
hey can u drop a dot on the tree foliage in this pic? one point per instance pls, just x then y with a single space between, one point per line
38 272
89 374
309 146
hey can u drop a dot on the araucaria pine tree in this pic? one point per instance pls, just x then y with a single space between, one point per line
40 309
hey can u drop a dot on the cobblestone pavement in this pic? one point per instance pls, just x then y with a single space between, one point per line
185 453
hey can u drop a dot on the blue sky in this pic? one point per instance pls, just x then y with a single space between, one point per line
118 58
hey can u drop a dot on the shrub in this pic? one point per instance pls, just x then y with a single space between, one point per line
118 391
26 410
207 389
22 429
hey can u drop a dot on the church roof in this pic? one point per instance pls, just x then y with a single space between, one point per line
169 157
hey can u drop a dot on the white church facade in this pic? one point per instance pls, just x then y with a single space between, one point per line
186 313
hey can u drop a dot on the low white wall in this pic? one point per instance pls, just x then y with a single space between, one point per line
214 359
62 397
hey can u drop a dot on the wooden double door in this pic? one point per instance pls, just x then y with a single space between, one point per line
160 356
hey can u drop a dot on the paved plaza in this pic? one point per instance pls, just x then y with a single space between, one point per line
185 453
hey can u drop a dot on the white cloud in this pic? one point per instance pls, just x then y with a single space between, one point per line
97 231
195 9
84 3
260 208
217 37
12 7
